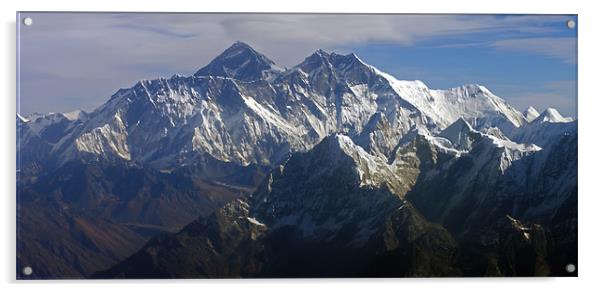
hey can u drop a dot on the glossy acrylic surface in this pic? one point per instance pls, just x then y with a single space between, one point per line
189 145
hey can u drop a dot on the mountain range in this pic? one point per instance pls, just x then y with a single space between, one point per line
331 168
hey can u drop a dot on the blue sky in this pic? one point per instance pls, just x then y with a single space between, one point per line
71 61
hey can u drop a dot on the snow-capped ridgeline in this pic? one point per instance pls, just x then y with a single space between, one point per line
350 159
241 62
530 114
472 102
244 108
551 115
39 122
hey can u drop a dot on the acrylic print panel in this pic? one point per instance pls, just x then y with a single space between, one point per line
166 145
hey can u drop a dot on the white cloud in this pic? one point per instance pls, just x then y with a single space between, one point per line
88 56
563 48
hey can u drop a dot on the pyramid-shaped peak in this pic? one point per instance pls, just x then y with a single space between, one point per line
461 123
531 109
333 56
551 115
321 52
240 61
530 114
460 133
343 65
552 112
239 47
338 142
472 89
318 57
240 44
338 147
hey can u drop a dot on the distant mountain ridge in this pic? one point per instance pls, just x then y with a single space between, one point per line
243 108
343 167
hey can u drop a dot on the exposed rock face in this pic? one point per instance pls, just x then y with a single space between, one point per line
242 108
337 211
331 168
333 211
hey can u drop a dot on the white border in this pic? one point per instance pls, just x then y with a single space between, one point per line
590 121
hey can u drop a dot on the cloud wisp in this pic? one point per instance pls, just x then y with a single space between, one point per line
563 48
86 57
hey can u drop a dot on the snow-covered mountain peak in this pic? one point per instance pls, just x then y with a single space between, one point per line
473 102
320 53
332 61
240 62
37 115
356 57
76 115
484 89
530 114
461 134
336 144
471 91
511 145
21 118
349 59
316 60
551 115
396 83
339 150
238 113
239 45
39 122
239 48
346 144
